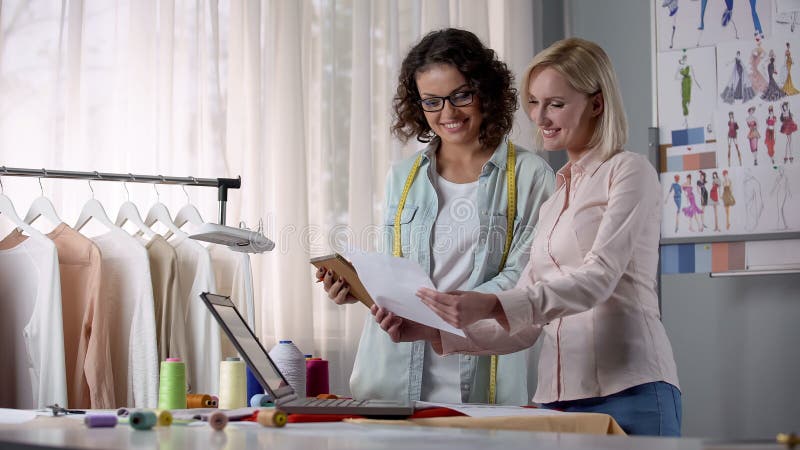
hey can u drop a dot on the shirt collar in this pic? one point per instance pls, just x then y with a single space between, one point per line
587 164
499 158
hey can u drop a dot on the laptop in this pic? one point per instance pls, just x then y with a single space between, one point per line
271 379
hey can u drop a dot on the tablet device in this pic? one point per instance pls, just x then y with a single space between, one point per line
342 268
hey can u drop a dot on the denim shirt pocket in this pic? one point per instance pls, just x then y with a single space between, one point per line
407 225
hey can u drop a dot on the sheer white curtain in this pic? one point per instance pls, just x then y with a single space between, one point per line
294 96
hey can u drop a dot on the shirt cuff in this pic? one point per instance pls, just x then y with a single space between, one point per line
517 308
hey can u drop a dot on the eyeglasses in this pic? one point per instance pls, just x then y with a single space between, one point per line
457 99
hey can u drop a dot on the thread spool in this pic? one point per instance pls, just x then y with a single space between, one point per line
253 386
292 364
142 420
163 418
217 420
200 401
316 377
232 384
271 418
214 401
172 384
260 401
100 420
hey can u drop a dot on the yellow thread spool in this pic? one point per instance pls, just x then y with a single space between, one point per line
163 418
271 418
232 384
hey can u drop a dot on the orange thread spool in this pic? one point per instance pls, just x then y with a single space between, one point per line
200 401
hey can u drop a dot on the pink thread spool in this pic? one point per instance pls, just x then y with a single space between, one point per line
316 377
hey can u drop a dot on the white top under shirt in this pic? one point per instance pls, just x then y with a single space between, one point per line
455 237
33 373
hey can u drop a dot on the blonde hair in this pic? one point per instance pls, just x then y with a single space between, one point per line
587 68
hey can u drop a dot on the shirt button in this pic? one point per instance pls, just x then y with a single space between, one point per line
465 387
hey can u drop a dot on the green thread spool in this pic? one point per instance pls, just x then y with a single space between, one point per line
232 384
172 384
142 420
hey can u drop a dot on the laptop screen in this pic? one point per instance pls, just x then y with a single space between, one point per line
248 346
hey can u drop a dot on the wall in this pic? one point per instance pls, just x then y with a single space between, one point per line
735 339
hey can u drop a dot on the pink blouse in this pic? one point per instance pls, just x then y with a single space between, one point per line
589 287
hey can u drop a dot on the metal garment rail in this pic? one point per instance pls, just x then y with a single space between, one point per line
222 184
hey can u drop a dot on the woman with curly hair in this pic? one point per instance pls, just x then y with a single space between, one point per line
447 207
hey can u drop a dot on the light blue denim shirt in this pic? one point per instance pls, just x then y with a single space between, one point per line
386 370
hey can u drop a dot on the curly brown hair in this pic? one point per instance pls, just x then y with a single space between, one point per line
485 73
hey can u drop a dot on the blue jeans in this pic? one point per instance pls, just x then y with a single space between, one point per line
652 409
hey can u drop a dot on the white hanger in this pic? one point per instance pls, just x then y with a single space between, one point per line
159 213
92 209
42 206
7 209
129 213
188 213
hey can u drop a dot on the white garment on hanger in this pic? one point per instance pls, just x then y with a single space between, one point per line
196 275
127 284
33 373
234 278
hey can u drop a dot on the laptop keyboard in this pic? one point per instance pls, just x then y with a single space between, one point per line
336 402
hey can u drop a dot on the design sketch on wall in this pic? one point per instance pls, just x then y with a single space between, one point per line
683 23
754 201
738 87
746 200
703 194
686 92
757 79
769 134
691 211
687 76
781 191
752 134
714 195
727 198
788 86
675 190
788 127
786 17
733 133
773 92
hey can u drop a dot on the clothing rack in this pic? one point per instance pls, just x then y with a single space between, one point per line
222 184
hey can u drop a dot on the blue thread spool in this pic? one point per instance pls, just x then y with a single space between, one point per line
143 420
260 401
253 386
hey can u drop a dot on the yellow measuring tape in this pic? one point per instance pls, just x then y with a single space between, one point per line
511 212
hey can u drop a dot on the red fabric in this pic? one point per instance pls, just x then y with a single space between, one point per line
300 418
421 414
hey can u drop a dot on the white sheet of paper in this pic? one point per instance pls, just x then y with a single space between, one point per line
480 410
392 283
